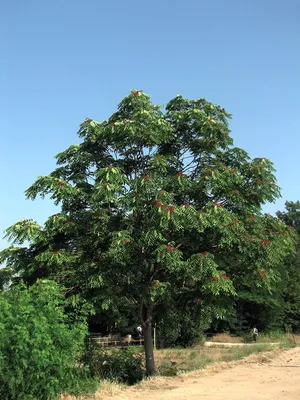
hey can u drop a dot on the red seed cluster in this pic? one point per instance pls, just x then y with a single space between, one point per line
218 204
147 177
56 252
263 274
209 173
180 173
224 276
260 182
68 222
135 94
265 242
61 184
88 120
170 248
170 209
221 276
158 203
204 253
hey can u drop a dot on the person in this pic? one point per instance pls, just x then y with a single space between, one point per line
255 334
139 332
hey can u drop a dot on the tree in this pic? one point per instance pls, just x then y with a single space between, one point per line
291 271
154 202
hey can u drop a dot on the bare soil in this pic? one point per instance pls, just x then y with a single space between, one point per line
259 377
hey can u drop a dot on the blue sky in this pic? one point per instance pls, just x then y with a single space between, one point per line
66 60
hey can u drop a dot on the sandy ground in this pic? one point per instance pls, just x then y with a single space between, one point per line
257 378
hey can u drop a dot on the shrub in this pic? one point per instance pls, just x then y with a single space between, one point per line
38 348
120 365
167 368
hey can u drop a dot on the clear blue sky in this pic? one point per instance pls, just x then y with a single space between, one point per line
64 60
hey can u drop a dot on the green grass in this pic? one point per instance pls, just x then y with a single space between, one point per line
170 362
284 339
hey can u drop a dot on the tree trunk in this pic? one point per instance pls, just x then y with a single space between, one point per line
148 346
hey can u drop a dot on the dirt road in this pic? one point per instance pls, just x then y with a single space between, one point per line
257 378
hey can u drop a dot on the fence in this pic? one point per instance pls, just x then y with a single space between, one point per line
117 341
108 341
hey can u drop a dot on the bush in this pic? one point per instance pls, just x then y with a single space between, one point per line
38 348
82 384
167 368
121 365
248 337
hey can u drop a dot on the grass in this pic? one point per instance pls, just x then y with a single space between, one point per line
285 340
172 361
106 389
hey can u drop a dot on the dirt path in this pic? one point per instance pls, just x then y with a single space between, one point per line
213 344
257 378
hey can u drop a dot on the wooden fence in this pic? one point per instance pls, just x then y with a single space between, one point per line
115 342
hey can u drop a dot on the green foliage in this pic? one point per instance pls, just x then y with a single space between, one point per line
122 365
291 272
168 368
182 319
82 384
153 200
38 347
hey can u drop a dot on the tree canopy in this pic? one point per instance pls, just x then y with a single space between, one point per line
156 203
290 312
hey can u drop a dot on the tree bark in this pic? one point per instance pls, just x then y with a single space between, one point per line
148 346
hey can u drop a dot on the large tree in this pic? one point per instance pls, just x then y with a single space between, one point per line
154 204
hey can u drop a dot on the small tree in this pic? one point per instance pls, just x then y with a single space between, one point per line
153 202
38 348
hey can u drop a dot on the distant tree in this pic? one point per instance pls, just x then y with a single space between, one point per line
291 216
155 203
291 271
